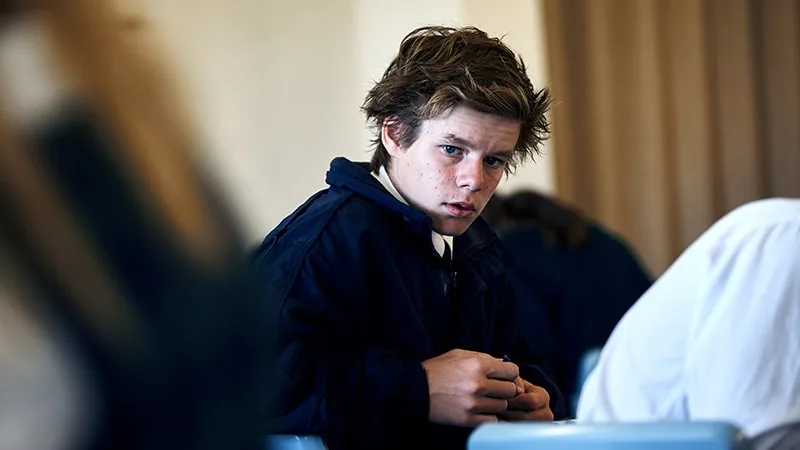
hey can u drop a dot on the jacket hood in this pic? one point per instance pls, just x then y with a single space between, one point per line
356 177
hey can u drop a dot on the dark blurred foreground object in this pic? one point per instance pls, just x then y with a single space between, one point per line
120 265
574 279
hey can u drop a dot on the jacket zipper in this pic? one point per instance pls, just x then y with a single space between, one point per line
453 284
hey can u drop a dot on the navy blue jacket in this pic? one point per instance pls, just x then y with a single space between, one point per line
362 298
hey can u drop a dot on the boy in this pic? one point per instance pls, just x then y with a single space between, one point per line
394 317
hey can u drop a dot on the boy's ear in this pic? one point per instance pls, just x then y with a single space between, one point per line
390 130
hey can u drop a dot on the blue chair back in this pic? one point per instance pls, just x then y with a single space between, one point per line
630 436
587 364
293 442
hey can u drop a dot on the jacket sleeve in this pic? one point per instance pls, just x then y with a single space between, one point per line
509 340
331 383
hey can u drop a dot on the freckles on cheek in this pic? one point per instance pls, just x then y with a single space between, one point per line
495 181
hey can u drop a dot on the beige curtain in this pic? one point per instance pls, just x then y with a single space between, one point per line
670 113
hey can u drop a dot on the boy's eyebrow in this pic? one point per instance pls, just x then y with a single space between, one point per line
461 142
457 140
506 154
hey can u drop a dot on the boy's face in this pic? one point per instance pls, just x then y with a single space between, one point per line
451 171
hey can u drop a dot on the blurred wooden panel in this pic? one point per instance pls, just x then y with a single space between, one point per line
779 26
734 81
602 114
558 62
691 118
651 193
566 40
675 112
625 21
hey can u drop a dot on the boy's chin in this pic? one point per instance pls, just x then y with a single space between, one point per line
452 227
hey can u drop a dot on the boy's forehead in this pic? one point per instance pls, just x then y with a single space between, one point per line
461 120
465 112
472 129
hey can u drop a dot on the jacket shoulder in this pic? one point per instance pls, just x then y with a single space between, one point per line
336 218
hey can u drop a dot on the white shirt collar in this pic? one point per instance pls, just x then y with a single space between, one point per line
440 241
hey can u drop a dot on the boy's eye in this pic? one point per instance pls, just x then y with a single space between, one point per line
491 161
450 150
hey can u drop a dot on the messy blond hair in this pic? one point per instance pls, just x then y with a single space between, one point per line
438 68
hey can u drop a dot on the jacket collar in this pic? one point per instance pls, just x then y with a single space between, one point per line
356 177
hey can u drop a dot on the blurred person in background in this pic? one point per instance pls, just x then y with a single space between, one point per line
128 318
717 337
574 279
390 293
